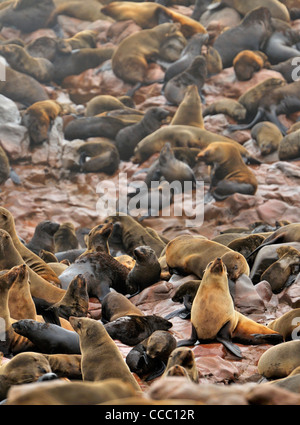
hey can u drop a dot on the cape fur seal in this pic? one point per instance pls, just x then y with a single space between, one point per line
43 237
115 305
267 136
65 237
213 306
189 111
184 357
229 173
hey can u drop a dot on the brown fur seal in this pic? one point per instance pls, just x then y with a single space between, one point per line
289 147
47 256
128 137
287 324
132 234
246 244
184 294
277 8
75 9
79 61
282 273
184 357
179 136
75 302
229 172
4 166
43 237
247 62
169 168
146 270
65 238
133 329
95 345
223 322
38 119
176 87
97 239
268 137
20 302
26 15
115 305
17 57
280 101
98 126
48 47
98 157
104 102
250 34
229 107
22 88
150 15
148 358
130 65
188 54
47 338
191 254
32 260
281 46
83 39
279 361
213 59
189 112
23 368
65 365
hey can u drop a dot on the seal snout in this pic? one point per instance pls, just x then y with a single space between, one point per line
217 266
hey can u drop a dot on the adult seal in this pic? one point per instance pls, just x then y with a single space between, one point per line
96 345
115 305
213 306
189 112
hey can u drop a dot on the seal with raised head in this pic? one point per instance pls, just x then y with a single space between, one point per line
97 346
189 112
43 237
213 316
128 137
184 357
229 173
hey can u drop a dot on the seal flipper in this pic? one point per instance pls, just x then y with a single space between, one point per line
158 372
183 313
224 337
44 309
186 342
273 339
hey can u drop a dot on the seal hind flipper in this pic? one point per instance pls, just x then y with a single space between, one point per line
224 337
43 308
273 339
158 372
258 117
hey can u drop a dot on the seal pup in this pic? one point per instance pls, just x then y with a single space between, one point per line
132 329
43 237
267 136
65 238
289 146
229 173
98 157
184 357
148 359
100 357
169 168
128 137
223 323
145 272
230 107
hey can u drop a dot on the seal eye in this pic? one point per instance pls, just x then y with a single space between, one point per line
236 267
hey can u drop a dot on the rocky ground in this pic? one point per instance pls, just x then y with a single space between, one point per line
49 191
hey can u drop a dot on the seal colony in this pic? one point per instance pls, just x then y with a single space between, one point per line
95 305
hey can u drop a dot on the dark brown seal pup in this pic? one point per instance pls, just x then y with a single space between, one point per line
267 136
19 59
247 62
22 88
130 59
43 237
146 270
98 157
38 119
128 137
98 126
101 358
250 34
65 238
148 359
184 357
195 74
223 322
115 305
169 168
26 15
190 255
229 172
48 47
132 329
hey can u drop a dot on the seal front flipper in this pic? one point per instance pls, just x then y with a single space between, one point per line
224 337
187 342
